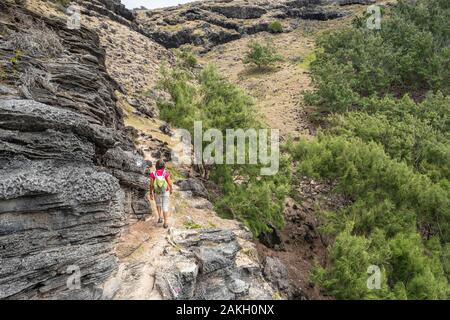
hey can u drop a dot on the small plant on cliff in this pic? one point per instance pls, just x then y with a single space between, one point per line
192 225
261 55
16 58
185 57
275 27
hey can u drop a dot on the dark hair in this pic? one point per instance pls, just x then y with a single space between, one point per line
160 164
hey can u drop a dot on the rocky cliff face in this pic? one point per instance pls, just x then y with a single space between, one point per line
209 23
211 266
70 176
112 9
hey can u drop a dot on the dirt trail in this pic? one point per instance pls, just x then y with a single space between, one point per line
278 97
141 246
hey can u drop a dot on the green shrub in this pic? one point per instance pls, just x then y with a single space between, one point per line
257 200
192 225
386 193
182 109
185 57
388 198
408 270
261 55
409 54
205 96
387 146
415 133
350 258
275 27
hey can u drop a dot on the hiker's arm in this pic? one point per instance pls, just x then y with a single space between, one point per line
151 189
169 182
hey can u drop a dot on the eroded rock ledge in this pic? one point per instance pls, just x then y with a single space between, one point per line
210 23
209 264
71 178
112 9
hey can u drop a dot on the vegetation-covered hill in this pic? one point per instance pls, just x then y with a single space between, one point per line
383 95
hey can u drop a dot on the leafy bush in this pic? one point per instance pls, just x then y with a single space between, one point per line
409 54
408 269
387 146
276 27
418 134
186 57
386 193
257 200
261 55
347 277
388 198
206 97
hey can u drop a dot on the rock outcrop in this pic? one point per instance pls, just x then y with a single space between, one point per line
193 186
112 9
209 23
208 264
276 271
71 178
350 2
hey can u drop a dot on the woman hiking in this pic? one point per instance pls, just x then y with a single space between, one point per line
160 189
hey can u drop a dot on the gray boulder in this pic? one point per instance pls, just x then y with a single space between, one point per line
194 186
272 238
204 265
275 271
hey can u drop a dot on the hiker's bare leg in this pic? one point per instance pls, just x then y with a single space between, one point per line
166 217
160 216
